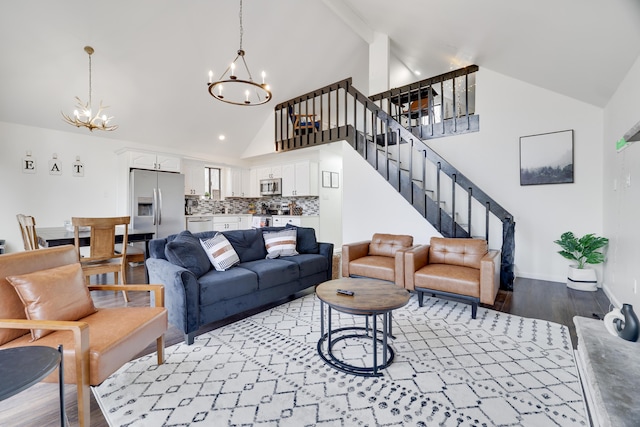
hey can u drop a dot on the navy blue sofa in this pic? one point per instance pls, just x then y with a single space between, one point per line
196 294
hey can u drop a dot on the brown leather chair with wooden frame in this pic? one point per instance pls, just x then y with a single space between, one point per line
44 291
28 231
458 268
382 257
103 256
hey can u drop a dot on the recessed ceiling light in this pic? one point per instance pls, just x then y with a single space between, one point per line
417 73
221 137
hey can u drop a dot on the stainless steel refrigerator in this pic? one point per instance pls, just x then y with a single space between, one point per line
157 201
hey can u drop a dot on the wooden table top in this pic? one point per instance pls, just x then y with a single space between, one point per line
370 295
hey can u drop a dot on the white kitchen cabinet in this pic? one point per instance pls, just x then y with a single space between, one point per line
300 179
153 161
238 183
231 222
193 171
253 187
309 221
269 172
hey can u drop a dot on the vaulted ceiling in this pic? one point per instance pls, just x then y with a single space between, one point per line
152 56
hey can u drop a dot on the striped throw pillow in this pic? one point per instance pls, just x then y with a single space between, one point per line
280 243
220 252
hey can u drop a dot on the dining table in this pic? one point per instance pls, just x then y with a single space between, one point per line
58 236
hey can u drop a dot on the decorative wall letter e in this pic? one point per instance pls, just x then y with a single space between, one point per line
28 164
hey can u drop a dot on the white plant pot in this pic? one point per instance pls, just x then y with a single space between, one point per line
582 279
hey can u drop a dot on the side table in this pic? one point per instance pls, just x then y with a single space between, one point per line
22 367
370 298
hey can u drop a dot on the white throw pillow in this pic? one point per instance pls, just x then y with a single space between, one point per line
280 243
220 252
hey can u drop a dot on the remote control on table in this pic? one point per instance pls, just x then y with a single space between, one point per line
345 292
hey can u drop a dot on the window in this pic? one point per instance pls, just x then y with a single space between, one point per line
212 182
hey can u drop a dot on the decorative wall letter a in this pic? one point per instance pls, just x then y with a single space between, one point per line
55 167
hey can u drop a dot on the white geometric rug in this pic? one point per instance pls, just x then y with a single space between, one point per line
449 370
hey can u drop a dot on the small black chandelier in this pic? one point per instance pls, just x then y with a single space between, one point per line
232 88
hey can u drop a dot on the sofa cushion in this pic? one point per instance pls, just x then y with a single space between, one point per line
306 242
273 272
247 243
186 251
462 252
388 244
379 267
58 293
309 264
220 252
216 286
449 278
280 243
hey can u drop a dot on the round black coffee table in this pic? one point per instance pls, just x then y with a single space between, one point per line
22 367
370 297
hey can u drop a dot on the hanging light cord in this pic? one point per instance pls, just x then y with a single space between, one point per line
241 28
90 104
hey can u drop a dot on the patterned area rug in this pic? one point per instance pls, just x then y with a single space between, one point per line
449 370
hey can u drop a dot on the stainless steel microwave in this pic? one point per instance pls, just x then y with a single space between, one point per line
271 187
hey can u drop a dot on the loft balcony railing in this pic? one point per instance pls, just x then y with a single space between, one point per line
444 196
439 106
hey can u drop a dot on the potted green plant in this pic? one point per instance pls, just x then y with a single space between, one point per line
583 250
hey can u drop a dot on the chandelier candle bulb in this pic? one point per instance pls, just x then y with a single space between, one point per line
233 68
210 76
263 76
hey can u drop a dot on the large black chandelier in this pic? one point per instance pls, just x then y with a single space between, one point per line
235 85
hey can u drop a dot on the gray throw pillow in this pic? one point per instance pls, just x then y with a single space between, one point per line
306 240
187 252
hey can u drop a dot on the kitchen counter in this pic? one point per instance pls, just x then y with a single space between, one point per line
211 215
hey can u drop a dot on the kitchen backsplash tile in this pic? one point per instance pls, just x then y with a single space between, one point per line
310 205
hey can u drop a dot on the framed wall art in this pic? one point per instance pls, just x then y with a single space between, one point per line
546 158
326 179
335 180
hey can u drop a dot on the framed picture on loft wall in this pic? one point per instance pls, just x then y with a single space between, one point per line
546 158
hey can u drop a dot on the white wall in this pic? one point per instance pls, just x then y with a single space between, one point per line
508 109
331 198
622 201
370 205
52 199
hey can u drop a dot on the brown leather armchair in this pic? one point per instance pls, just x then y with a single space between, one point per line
96 344
382 257
460 268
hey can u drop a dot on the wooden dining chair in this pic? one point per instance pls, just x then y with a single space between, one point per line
103 257
28 231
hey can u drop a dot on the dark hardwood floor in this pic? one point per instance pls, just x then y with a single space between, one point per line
551 301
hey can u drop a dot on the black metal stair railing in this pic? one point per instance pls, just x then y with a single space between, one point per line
444 196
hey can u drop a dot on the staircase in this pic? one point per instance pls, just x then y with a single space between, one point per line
388 133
